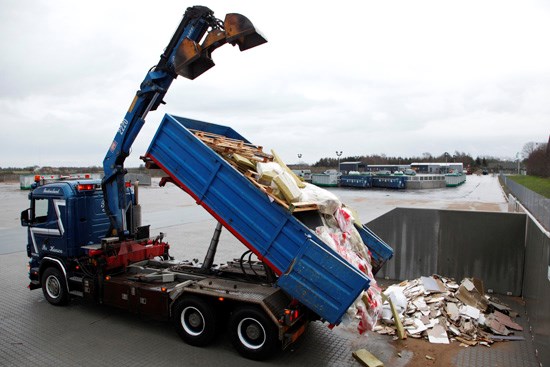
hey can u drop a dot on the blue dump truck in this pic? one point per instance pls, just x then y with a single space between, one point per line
85 237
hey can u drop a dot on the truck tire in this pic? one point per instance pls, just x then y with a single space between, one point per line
253 333
54 287
195 321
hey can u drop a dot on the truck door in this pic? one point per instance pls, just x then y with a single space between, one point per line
47 230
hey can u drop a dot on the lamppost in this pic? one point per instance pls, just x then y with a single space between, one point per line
338 154
517 156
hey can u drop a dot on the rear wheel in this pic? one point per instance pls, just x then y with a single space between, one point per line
54 287
253 334
195 321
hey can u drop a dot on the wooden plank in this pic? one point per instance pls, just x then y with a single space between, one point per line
268 192
250 154
398 324
466 341
223 144
366 358
293 207
235 165
241 161
212 136
302 206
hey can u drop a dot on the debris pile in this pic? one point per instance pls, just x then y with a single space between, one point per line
441 310
336 224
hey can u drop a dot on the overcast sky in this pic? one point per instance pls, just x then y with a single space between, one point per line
365 77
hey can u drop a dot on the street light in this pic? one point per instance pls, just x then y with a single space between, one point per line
338 154
517 156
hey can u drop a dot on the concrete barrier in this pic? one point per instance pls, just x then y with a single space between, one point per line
458 244
536 287
144 180
510 252
425 182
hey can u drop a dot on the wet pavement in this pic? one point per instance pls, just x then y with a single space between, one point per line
478 193
32 332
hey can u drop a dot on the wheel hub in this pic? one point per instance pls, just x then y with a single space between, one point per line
194 320
252 331
53 287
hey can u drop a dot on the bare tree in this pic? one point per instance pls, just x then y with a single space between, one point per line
528 148
538 161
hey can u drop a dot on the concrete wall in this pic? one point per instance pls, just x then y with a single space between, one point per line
536 288
144 180
458 244
415 185
508 251
413 235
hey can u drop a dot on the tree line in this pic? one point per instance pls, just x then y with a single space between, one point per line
461 157
537 158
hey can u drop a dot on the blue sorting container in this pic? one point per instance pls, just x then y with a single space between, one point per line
389 182
308 269
356 181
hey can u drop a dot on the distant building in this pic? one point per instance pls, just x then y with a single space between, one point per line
346 167
438 168
387 167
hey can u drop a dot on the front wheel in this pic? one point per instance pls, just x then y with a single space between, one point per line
54 287
253 334
195 321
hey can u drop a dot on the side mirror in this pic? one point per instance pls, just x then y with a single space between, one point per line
25 217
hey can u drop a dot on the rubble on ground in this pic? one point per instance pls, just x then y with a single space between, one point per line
441 310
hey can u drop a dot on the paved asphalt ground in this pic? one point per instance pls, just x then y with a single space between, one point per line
33 332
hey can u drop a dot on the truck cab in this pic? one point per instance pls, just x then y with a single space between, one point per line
63 217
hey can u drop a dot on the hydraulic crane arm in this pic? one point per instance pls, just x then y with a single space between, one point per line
185 55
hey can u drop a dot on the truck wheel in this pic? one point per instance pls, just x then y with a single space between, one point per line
253 334
195 321
54 287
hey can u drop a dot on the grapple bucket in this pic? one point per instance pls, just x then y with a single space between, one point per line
242 32
190 61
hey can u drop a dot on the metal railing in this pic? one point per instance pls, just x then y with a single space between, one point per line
538 205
